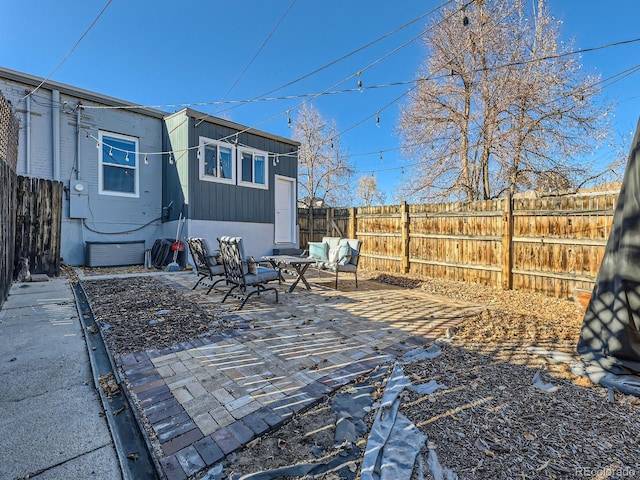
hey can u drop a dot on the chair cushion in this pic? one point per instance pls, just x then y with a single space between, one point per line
263 274
319 250
216 269
334 255
344 252
336 266
331 241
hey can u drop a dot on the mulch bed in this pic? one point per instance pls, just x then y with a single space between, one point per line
140 313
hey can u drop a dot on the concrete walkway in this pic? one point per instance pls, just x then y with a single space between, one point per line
52 425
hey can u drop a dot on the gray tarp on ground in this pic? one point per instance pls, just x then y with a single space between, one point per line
610 338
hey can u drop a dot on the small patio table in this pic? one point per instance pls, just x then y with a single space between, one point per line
299 264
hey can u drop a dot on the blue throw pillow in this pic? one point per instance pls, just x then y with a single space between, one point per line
343 253
318 250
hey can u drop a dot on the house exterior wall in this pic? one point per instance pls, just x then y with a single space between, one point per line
60 130
216 209
53 147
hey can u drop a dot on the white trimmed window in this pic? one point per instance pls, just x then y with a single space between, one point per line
118 173
217 161
253 168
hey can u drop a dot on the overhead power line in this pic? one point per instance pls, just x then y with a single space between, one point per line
95 20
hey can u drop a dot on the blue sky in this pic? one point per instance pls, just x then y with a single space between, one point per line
161 52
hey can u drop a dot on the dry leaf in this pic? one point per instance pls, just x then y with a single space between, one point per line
253 442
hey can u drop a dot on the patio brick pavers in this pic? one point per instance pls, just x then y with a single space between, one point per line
207 398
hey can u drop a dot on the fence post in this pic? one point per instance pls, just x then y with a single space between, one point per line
329 217
404 209
352 222
507 242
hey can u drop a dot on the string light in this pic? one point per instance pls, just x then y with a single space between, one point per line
381 155
171 159
111 151
288 119
360 89
378 119
146 159
126 157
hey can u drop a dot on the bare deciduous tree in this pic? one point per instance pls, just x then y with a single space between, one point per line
324 168
368 191
502 106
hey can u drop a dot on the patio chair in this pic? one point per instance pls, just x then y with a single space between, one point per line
337 255
205 260
238 275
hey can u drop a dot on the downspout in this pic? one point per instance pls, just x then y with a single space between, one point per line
78 163
28 134
55 129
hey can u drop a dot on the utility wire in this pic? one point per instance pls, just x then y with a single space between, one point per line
70 51
344 57
264 43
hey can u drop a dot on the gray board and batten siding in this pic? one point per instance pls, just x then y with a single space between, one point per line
211 201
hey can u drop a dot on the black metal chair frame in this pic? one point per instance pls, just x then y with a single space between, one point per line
236 272
205 262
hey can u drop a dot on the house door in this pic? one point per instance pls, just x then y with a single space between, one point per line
285 223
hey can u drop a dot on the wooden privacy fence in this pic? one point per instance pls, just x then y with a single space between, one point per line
9 128
38 224
551 245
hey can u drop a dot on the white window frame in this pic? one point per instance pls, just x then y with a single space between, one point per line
203 143
135 168
253 152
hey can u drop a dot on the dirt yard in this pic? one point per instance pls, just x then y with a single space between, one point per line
489 422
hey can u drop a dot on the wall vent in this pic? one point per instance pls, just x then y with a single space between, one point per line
107 254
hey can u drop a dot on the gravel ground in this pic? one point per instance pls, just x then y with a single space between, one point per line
490 422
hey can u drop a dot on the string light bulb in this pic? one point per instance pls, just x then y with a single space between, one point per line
98 145
380 155
360 89
111 151
378 119
288 119
126 157
146 159
171 159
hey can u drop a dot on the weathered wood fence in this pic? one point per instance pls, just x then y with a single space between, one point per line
38 224
9 128
550 245
30 212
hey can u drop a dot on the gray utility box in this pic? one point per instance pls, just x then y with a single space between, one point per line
108 254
